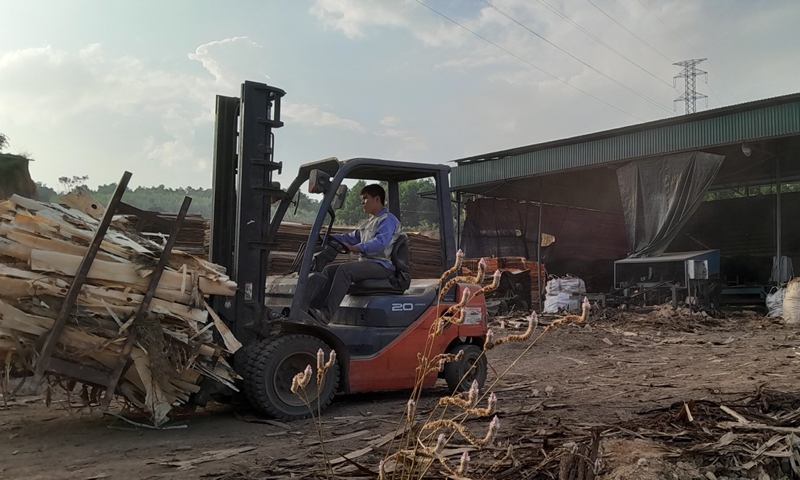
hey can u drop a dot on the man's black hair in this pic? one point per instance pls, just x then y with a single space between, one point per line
375 190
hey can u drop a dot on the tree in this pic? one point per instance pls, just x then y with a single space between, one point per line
418 212
70 183
107 189
351 212
3 142
45 193
304 209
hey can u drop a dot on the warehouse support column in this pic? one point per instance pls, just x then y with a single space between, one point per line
778 225
539 249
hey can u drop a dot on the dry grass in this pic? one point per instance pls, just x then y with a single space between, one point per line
420 441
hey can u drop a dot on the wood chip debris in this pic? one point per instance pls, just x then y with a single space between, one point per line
210 456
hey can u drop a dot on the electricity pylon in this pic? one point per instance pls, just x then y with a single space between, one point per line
689 72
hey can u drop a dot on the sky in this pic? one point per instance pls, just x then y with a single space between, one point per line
91 87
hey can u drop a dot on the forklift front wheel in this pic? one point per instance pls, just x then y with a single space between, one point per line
271 366
472 367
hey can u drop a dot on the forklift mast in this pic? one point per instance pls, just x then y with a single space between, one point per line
241 205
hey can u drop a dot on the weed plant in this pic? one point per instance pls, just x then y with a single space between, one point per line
420 441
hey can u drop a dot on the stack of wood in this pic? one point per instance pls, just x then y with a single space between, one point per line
192 238
424 252
426 256
290 236
41 248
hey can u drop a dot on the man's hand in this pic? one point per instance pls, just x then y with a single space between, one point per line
353 249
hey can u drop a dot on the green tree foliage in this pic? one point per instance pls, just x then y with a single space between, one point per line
351 212
70 183
752 191
417 212
169 200
45 193
160 198
304 209
3 142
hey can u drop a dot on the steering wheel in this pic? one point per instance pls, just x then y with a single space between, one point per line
338 245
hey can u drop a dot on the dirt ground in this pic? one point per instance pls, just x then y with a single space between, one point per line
623 376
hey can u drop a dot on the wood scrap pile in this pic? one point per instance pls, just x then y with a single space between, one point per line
758 438
755 437
41 248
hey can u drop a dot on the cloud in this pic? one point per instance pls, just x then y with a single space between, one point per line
389 121
352 17
410 142
230 60
355 17
107 113
313 116
118 107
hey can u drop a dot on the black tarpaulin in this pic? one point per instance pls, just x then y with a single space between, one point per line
660 194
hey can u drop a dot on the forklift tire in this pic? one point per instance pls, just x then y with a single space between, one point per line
271 366
473 362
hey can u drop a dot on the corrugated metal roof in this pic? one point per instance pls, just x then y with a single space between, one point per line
775 117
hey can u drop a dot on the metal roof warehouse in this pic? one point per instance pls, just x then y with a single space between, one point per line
737 155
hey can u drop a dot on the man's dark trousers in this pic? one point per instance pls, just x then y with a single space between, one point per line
342 276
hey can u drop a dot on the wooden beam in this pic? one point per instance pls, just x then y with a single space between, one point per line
42 260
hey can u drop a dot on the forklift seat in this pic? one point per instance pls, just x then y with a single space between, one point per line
397 283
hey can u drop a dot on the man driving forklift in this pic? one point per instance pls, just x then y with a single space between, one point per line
373 240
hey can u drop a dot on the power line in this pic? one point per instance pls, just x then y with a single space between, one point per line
687 43
626 29
601 42
525 61
654 102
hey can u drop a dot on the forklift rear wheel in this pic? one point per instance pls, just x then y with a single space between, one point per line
472 367
271 366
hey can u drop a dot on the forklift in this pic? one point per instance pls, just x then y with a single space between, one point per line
381 325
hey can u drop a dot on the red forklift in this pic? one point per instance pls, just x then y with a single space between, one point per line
381 325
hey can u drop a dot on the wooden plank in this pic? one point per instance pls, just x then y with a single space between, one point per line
351 455
186 386
231 343
27 203
210 456
14 288
733 414
80 199
25 221
42 243
340 438
7 271
42 260
7 207
15 319
14 249
130 300
55 220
